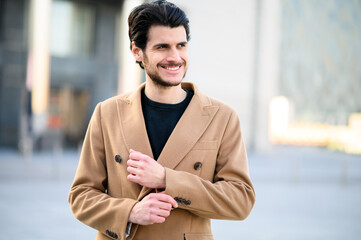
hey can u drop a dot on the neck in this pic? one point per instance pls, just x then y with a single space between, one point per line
169 95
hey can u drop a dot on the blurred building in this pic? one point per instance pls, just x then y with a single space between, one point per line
59 58
321 73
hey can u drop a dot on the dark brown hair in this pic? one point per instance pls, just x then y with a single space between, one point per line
155 13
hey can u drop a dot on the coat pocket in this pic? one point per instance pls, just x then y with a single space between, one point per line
198 236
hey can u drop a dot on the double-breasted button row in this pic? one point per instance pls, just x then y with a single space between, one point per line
197 166
111 234
118 158
182 201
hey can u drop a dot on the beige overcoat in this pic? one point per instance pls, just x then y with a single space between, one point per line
205 161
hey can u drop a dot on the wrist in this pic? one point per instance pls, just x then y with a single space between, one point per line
163 182
132 214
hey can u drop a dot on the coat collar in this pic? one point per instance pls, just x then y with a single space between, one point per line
188 130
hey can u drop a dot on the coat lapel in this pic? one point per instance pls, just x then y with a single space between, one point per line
132 122
133 127
188 130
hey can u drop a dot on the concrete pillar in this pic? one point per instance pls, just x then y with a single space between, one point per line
130 74
38 80
267 77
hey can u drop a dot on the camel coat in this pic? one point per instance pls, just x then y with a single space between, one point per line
205 163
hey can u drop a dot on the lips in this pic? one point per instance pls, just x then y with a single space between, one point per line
173 67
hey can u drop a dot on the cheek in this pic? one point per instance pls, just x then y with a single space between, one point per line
184 56
153 60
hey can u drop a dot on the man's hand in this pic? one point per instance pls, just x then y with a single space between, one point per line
154 208
145 171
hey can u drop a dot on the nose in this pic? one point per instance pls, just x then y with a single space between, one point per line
174 55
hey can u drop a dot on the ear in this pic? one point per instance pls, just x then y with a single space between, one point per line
137 53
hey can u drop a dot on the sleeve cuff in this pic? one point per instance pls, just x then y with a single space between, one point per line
127 230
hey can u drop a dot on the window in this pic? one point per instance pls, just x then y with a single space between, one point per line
72 29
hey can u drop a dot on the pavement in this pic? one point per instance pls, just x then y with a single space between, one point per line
302 193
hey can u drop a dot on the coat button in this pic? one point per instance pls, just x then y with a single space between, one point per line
118 159
111 234
197 165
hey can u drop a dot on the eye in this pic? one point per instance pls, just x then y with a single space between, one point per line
161 46
182 45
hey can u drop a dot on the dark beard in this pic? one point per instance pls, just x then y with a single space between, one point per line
160 82
156 78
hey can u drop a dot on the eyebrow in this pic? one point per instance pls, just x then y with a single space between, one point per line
166 44
185 42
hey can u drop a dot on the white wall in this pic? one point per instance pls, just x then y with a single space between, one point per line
221 51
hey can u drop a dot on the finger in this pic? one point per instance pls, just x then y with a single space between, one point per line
166 198
165 206
173 202
138 156
162 213
157 219
132 170
133 154
133 178
133 163
161 205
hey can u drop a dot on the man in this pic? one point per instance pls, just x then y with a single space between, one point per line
160 162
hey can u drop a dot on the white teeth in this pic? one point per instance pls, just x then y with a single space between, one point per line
172 68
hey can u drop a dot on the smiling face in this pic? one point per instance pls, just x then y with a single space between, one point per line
165 57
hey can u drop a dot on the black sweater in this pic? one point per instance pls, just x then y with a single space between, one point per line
160 120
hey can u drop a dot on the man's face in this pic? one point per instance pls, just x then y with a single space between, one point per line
165 57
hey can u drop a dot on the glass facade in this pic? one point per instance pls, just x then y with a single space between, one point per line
72 29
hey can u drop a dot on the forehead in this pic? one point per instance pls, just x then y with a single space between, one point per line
163 34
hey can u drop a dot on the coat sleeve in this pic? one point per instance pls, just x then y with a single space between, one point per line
88 199
231 195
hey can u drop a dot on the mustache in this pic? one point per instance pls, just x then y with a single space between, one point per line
172 64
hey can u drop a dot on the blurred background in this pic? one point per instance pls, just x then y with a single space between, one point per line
290 68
